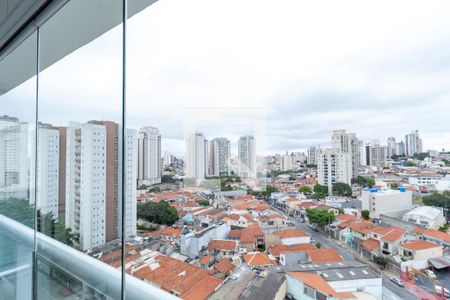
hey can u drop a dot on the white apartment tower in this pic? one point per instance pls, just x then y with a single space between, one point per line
391 147
334 166
167 159
47 170
220 153
130 161
413 143
149 155
93 182
286 162
195 159
86 183
376 155
247 156
312 156
14 162
347 143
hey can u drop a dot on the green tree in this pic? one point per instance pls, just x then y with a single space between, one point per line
365 214
305 190
318 245
157 212
365 181
167 179
21 211
444 228
341 211
395 185
421 156
203 202
320 217
154 190
320 191
342 189
437 199
410 163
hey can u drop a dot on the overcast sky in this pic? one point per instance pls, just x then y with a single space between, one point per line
309 67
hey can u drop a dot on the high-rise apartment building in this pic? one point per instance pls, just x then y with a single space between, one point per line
400 148
413 143
86 171
376 155
167 159
362 153
347 143
14 162
93 181
312 155
195 159
286 162
220 153
391 148
334 166
130 183
247 156
149 155
47 170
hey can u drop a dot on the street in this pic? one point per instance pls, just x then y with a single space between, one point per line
390 290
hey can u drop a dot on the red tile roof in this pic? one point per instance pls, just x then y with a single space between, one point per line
250 234
276 250
371 244
322 256
418 245
206 260
224 266
394 234
290 233
437 235
173 275
222 245
257 259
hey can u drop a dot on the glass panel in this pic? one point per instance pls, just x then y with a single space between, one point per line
17 141
79 150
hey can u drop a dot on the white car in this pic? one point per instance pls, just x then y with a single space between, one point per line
431 274
438 291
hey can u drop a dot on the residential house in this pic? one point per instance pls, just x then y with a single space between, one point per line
293 236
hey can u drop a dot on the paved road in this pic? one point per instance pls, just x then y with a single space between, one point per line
390 290
394 292
325 241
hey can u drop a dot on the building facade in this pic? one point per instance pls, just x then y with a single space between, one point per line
149 155
196 159
247 156
220 152
334 166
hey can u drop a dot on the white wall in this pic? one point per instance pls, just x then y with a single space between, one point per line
372 286
296 240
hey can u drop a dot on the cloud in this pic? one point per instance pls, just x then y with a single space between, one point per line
378 69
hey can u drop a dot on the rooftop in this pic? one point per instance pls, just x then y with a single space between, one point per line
257 259
321 256
290 233
425 211
226 245
418 245
318 283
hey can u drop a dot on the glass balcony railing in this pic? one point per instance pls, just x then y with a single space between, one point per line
61 271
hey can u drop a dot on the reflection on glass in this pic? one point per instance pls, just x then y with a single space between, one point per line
16 178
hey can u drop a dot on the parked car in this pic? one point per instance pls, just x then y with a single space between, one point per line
397 281
438 291
430 274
